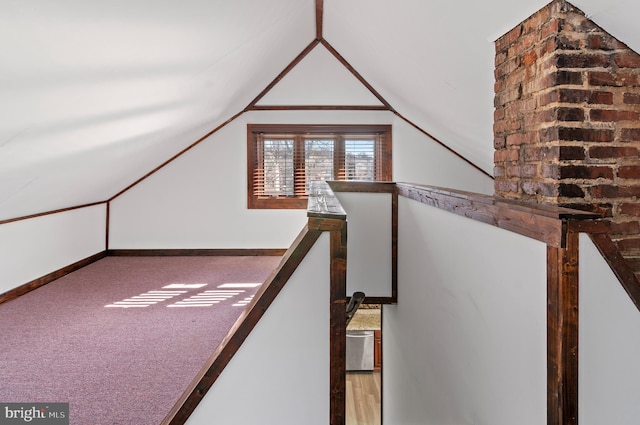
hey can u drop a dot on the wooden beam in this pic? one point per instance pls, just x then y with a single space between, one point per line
318 108
545 223
319 18
280 76
42 214
197 252
183 151
562 333
355 73
338 327
618 265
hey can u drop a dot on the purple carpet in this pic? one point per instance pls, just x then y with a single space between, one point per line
121 339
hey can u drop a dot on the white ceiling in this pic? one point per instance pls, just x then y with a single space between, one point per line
93 95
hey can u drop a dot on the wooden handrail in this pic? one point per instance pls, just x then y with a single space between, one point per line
618 265
546 223
324 214
219 359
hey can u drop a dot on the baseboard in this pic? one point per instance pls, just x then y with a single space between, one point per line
41 281
34 284
195 252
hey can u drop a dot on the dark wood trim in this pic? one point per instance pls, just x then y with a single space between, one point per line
562 333
360 186
41 281
355 73
239 252
379 187
247 321
179 154
338 328
42 214
394 247
107 225
545 223
380 300
441 143
319 18
284 72
618 265
318 108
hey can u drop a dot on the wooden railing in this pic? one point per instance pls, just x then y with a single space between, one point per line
559 229
618 265
325 214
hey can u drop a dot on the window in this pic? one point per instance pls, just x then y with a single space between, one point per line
283 159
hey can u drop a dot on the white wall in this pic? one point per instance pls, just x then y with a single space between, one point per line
199 200
609 345
368 242
466 343
32 248
280 375
418 159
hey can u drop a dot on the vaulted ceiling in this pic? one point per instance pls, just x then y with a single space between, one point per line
93 95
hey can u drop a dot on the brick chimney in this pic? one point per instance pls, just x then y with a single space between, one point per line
566 122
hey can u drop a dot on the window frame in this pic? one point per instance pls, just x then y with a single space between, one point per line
382 156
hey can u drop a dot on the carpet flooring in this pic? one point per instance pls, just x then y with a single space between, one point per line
121 339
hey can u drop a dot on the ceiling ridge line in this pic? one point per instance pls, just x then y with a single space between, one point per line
319 19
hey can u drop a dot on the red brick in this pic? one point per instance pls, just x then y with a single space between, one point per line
564 77
629 172
603 42
630 209
627 227
549 28
613 79
515 139
630 135
632 98
586 172
627 59
612 115
569 114
601 152
551 171
570 153
540 153
506 186
582 60
567 41
589 96
585 134
503 155
612 192
628 244
522 170
529 58
570 191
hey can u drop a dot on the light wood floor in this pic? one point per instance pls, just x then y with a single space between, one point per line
363 398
